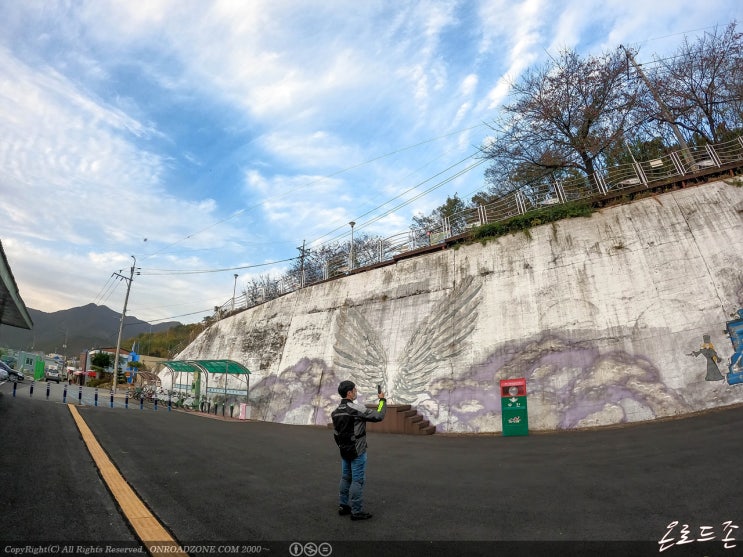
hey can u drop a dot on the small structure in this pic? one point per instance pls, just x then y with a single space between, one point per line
31 364
190 374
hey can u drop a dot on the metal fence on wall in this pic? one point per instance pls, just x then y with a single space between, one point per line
675 166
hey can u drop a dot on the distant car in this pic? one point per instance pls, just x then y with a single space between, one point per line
13 374
52 375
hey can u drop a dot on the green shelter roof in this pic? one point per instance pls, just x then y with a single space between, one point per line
212 366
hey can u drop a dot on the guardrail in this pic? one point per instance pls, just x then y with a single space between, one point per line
82 395
677 166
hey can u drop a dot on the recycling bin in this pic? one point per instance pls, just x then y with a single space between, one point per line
514 409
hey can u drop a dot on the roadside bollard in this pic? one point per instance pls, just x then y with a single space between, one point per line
223 408
31 390
95 399
170 403
126 399
15 386
47 390
64 394
155 403
112 398
232 407
141 403
80 395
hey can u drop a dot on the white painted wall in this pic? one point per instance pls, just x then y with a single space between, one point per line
597 313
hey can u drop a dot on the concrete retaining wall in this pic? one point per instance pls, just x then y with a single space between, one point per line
599 314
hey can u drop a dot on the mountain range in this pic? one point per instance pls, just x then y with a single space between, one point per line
71 331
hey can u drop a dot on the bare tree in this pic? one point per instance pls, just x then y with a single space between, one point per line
452 209
331 259
261 289
701 84
366 249
566 115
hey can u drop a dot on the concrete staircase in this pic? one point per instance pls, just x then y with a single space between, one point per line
401 418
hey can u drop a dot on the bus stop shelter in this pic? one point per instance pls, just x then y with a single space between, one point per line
196 368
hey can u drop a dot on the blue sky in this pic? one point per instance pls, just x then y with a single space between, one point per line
198 135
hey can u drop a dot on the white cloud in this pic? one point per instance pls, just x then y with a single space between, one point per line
104 139
77 180
319 149
299 206
469 85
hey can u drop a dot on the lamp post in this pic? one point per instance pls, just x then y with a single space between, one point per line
234 289
350 264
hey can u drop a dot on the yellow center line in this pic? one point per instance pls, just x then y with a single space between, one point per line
156 538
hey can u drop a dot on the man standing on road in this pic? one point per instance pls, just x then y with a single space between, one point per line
349 430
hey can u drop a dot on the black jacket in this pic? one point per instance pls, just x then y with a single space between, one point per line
349 426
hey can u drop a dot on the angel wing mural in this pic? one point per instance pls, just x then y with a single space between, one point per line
359 352
441 336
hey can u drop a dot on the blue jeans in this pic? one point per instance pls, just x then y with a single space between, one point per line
352 483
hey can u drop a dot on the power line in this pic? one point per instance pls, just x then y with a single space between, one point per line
182 315
110 289
313 182
160 272
426 192
415 198
163 272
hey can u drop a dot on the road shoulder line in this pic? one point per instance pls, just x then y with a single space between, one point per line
146 526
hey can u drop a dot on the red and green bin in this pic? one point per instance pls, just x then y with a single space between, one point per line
514 410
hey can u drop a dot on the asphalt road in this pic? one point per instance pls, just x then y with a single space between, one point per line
611 491
50 489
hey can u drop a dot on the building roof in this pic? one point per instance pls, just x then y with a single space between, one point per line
212 366
111 350
13 311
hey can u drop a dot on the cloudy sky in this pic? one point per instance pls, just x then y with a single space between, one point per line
217 136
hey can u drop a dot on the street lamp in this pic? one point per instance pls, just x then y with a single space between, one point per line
234 289
350 265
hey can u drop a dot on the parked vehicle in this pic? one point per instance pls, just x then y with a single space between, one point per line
52 374
13 374
4 375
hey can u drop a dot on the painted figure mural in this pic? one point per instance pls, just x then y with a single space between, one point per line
708 351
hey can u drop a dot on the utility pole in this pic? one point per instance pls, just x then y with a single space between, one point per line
664 110
302 252
121 323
